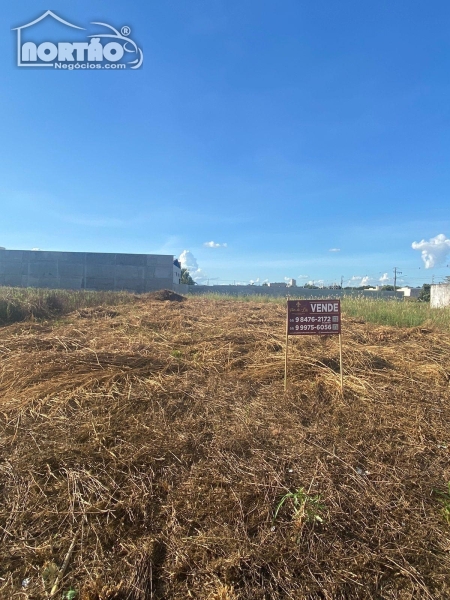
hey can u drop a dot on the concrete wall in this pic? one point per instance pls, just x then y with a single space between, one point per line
86 270
410 292
440 295
297 292
181 288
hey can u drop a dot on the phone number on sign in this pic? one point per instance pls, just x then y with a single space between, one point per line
311 320
324 327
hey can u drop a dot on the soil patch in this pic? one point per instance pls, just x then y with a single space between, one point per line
165 295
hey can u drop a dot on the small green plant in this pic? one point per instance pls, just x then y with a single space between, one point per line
304 507
444 499
176 353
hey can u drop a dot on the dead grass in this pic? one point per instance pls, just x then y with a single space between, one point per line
159 431
21 304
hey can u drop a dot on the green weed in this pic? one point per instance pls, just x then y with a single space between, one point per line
303 507
444 499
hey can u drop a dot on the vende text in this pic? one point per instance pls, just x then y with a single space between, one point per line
330 307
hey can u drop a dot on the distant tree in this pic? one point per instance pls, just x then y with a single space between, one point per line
186 277
424 295
387 288
310 286
265 284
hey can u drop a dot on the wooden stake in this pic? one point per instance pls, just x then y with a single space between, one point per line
286 349
340 361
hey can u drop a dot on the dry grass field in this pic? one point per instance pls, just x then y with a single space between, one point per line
151 448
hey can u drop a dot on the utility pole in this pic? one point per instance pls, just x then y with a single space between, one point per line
396 272
342 281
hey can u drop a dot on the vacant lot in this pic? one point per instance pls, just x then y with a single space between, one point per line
156 437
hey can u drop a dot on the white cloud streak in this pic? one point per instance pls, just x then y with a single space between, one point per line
334 250
214 245
434 251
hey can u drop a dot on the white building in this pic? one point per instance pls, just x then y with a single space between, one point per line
409 292
284 284
176 272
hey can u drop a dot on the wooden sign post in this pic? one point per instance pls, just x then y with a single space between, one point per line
313 317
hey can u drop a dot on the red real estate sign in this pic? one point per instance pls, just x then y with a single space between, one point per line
313 317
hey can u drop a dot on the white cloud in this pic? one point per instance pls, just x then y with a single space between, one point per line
385 277
189 262
360 280
35 249
435 251
214 245
334 250
302 276
253 281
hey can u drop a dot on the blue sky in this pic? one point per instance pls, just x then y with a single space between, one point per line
277 130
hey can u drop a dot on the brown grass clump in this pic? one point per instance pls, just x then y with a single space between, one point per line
21 304
156 438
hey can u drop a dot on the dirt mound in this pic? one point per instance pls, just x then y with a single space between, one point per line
160 446
165 295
